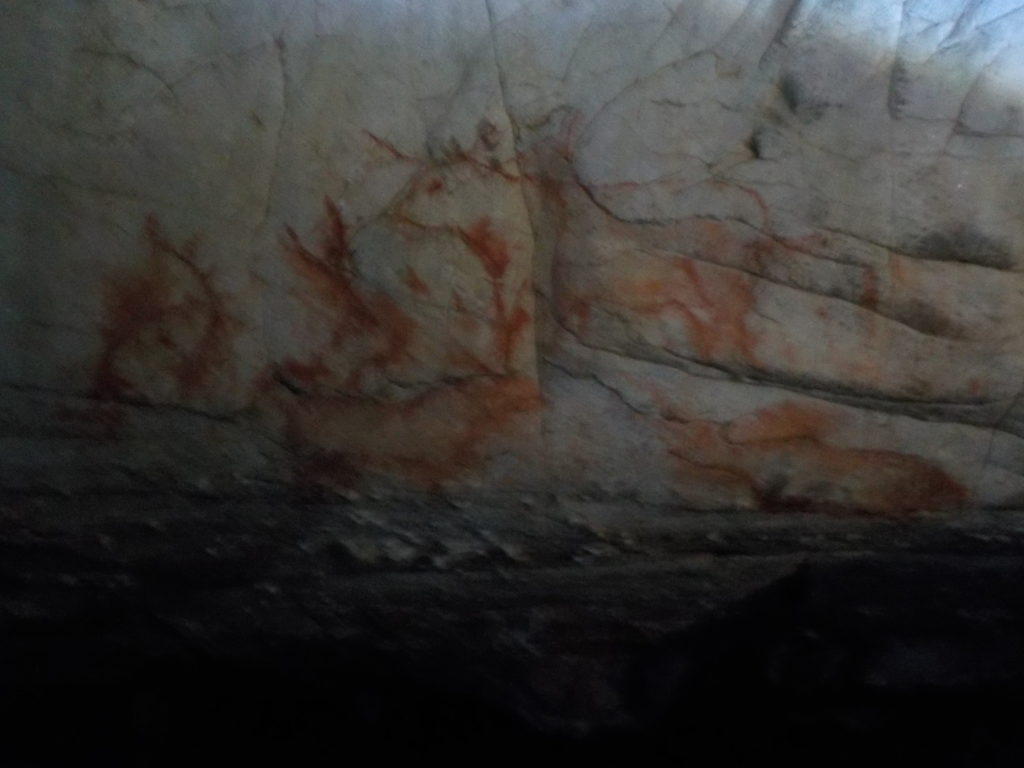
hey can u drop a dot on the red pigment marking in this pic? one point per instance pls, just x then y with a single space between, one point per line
388 147
465 321
488 133
569 132
761 252
818 476
713 301
490 168
435 437
439 435
162 319
336 251
415 283
869 293
476 157
465 360
488 246
308 373
358 316
576 309
975 386
131 304
897 268
492 251
508 333
429 440
480 237
716 311
810 244
753 194
788 421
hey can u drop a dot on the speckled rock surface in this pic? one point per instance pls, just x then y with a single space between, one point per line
720 255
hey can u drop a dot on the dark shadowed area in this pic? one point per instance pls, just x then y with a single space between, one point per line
155 630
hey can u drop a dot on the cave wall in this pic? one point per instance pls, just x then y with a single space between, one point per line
714 254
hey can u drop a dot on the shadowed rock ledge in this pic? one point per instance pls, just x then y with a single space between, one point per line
145 629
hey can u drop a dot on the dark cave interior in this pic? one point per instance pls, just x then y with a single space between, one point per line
128 643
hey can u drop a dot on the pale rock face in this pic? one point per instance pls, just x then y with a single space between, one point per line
716 254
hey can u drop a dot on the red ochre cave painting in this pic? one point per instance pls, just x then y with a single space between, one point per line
415 283
492 251
370 328
710 287
712 302
165 328
481 237
791 440
432 438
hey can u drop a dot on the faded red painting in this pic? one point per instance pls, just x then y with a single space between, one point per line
344 428
167 331
368 331
784 458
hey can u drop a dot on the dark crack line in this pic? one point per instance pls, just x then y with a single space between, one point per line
600 382
223 418
997 429
787 23
890 405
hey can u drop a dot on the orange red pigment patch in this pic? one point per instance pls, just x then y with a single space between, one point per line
781 459
429 440
491 249
308 373
415 283
435 437
365 325
163 320
713 303
488 246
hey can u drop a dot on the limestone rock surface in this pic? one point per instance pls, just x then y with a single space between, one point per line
723 255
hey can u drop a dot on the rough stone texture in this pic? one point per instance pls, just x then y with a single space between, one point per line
436 376
157 630
755 256
717 254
